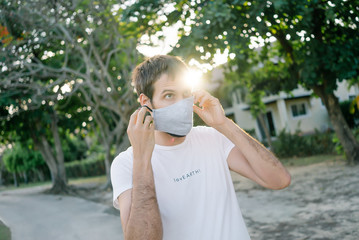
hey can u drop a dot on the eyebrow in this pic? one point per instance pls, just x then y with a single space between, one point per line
167 90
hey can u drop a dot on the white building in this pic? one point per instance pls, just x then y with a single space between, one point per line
299 110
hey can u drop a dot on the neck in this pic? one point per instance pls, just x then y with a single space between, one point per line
164 139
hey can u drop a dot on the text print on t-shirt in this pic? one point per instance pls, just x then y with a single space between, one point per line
187 175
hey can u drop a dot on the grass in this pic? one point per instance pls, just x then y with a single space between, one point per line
5 233
23 185
303 161
77 181
97 179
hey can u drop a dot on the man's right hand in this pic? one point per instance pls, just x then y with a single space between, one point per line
141 133
140 215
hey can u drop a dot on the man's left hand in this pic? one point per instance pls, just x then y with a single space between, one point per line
209 108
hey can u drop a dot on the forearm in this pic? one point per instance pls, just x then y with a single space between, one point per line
144 221
263 162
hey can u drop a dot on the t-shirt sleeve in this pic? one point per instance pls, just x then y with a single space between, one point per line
225 143
219 140
121 175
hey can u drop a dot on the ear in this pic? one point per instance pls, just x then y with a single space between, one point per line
144 100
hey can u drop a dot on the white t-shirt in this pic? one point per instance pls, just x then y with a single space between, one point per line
194 188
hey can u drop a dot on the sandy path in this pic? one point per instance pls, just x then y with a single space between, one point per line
322 202
32 215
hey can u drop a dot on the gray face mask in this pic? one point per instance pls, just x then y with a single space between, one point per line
176 119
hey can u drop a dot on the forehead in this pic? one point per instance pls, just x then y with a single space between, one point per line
165 82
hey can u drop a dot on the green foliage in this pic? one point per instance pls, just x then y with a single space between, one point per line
251 132
73 58
305 161
22 158
197 121
351 118
92 166
296 145
74 147
339 147
256 105
312 43
316 40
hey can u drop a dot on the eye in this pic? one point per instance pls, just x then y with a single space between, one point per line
169 95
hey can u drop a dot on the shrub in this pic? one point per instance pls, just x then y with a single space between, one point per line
92 166
25 162
320 143
296 145
339 147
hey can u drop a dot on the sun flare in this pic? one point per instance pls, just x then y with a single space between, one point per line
193 79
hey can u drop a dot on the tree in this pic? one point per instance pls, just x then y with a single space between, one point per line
317 39
258 109
246 94
41 126
26 98
81 47
41 129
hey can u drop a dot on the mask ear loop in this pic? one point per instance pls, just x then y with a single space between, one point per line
147 108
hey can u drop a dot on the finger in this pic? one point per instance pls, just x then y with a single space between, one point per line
133 118
198 95
199 111
141 116
148 121
206 100
202 96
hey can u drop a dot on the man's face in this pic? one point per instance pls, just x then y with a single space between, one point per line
167 91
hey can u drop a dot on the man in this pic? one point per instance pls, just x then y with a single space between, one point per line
174 181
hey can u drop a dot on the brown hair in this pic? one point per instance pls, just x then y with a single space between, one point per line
149 71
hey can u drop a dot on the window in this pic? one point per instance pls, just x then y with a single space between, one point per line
299 110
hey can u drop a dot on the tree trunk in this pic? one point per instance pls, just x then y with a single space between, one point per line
341 128
108 160
24 174
16 183
59 185
59 157
266 130
59 182
40 175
